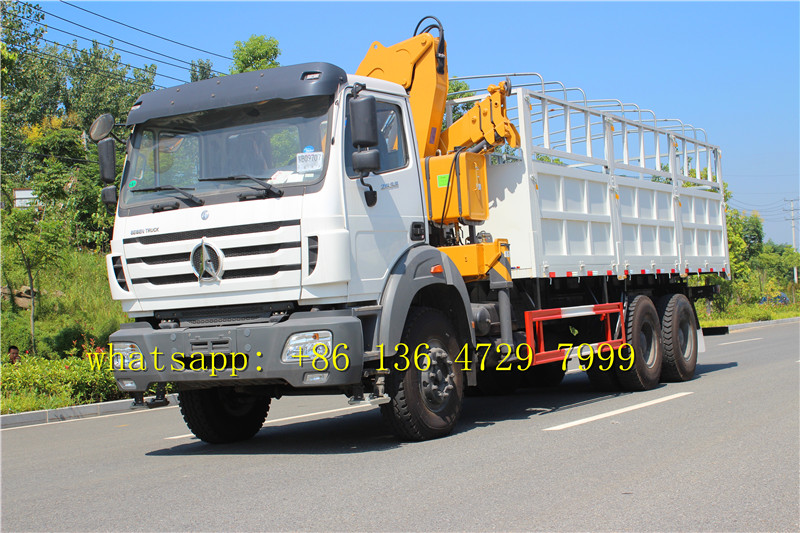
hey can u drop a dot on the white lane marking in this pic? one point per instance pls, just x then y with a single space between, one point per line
616 412
296 417
737 342
180 436
89 417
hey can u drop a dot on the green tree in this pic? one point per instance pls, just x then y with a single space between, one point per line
8 59
459 89
34 238
201 70
256 53
34 83
752 234
99 83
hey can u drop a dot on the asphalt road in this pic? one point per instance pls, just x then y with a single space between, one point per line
719 453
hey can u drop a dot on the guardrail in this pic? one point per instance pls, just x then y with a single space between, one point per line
604 135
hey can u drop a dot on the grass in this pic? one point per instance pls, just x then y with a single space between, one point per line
746 313
74 308
21 402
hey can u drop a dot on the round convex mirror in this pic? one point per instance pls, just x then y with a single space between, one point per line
101 127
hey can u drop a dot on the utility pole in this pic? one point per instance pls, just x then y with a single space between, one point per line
791 211
794 245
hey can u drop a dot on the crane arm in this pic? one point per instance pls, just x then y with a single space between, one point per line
419 64
484 126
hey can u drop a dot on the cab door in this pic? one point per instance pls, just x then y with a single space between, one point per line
382 233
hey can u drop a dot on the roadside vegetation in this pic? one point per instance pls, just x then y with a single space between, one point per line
56 304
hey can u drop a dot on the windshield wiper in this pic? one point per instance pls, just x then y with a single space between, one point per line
190 196
268 188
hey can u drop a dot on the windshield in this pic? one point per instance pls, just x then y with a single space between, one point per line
214 155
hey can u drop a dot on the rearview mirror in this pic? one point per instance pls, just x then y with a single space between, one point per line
366 162
101 127
107 156
109 196
364 121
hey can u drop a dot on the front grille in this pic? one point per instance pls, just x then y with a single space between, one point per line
201 361
119 274
166 280
269 254
313 248
229 274
226 314
257 250
211 232
160 259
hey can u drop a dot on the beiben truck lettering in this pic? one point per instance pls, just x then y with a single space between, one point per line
325 231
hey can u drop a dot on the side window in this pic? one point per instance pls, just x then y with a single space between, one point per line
391 139
143 173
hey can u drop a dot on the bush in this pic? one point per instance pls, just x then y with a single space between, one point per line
35 381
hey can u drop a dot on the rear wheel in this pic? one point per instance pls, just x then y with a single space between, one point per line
679 334
222 415
426 397
643 334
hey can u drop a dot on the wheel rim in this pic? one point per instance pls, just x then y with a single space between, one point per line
647 344
685 337
438 381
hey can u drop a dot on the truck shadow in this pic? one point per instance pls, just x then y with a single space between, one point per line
365 431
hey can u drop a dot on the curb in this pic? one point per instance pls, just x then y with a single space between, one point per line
764 323
47 416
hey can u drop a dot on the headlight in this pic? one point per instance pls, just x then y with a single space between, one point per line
311 343
127 356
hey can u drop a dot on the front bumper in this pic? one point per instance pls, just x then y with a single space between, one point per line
244 354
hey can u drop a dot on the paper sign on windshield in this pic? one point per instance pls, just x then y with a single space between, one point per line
310 161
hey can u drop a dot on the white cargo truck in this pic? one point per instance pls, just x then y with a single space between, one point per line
301 230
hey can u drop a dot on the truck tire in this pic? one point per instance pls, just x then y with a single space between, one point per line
425 404
221 415
679 335
546 375
643 333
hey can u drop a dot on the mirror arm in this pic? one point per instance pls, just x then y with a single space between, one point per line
370 196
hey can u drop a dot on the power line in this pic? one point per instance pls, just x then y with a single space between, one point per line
113 48
114 38
760 175
136 83
48 155
113 61
146 32
771 204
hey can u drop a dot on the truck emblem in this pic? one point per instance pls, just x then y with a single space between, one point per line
204 214
206 262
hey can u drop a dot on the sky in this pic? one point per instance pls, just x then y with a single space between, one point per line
731 68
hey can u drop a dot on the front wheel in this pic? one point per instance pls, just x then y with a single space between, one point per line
426 396
221 415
